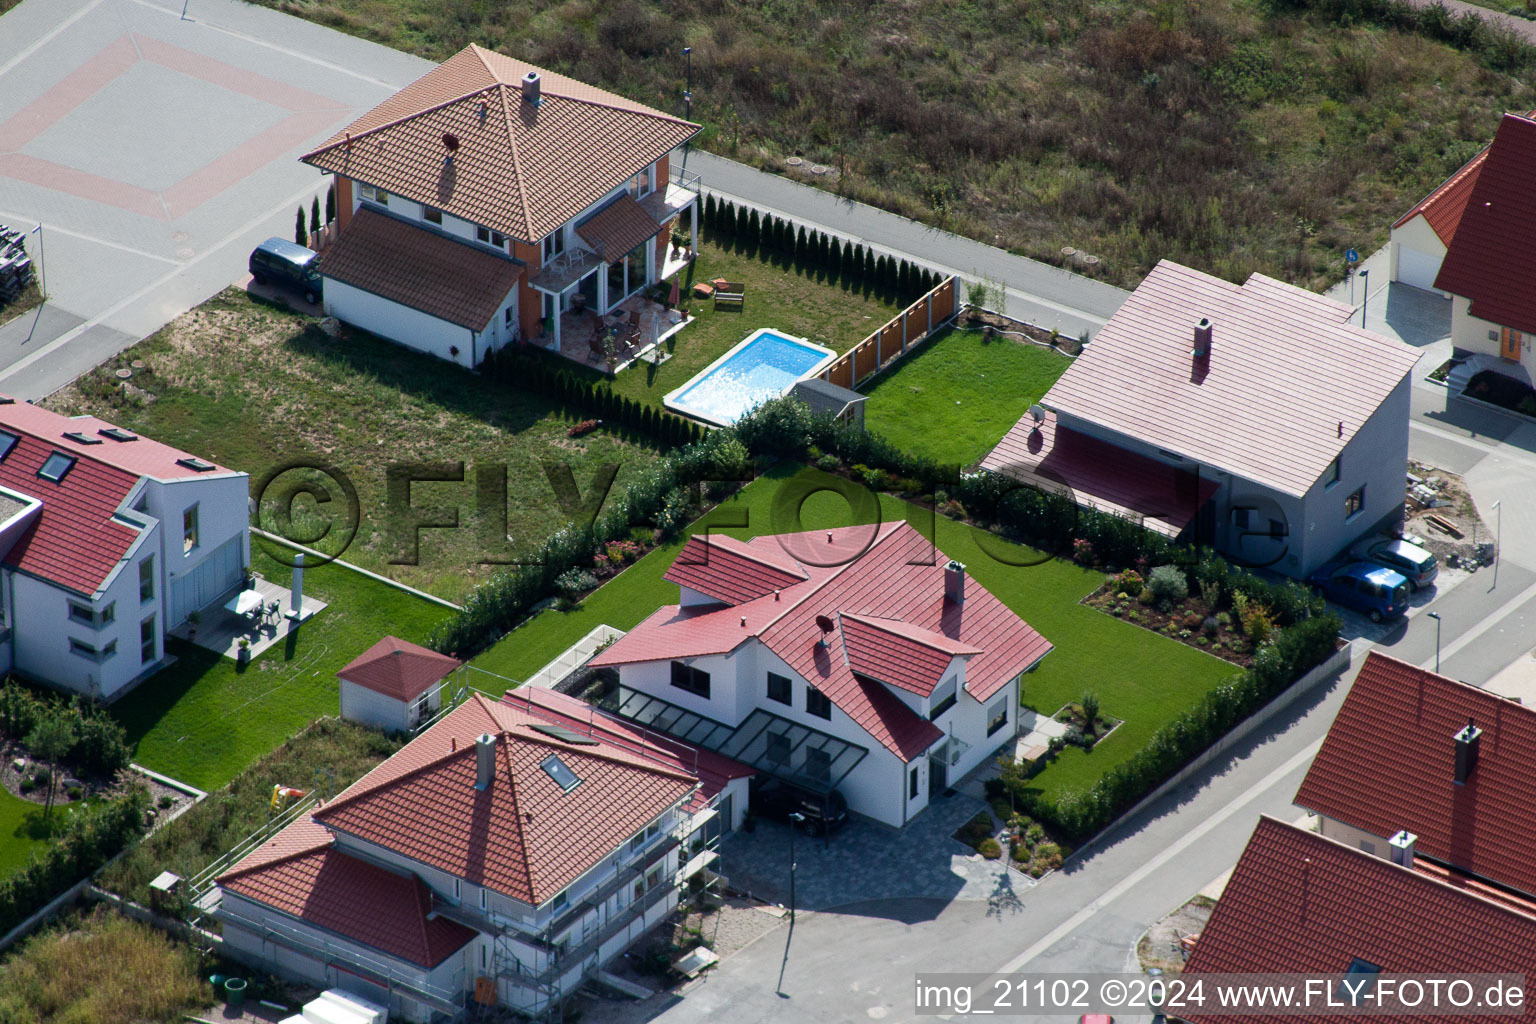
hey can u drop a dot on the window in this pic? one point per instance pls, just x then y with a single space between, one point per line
1356 981
56 466
912 784
7 442
554 245
1240 517
561 772
506 315
1332 476
818 765
779 689
147 579
942 699
642 838
423 707
777 750
455 888
482 898
374 195
997 715
85 614
189 530
482 956
1276 529
1354 504
86 650
642 184
432 215
816 703
686 677
560 900
489 237
147 641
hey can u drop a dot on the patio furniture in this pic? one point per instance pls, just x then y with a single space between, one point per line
245 604
703 290
731 295
273 612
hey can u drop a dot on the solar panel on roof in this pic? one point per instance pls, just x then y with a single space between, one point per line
560 732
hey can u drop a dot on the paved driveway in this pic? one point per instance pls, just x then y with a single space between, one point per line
157 149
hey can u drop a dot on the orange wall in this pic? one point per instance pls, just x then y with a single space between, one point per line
343 202
530 303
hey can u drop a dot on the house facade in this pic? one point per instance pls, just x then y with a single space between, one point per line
1488 269
107 541
1422 236
860 660
395 685
1253 418
488 197
497 858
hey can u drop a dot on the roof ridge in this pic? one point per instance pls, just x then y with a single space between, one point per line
348 140
878 622
815 585
505 754
236 873
517 169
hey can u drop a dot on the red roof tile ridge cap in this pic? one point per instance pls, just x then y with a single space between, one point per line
614 755
880 622
236 873
351 139
423 907
755 554
887 530
517 166
504 755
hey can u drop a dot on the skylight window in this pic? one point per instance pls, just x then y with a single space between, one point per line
57 465
1356 981
118 434
7 442
560 772
195 464
79 438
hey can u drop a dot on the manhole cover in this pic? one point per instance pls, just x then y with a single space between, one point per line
794 161
819 168
185 254
124 373
180 236
137 364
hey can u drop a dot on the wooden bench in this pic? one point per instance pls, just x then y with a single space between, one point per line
730 294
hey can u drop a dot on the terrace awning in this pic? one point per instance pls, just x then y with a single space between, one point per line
617 228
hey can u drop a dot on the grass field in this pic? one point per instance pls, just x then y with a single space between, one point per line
204 719
255 387
1139 676
957 396
785 299
1230 135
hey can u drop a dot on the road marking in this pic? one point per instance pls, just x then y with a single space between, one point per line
8 372
1134 879
29 51
1507 609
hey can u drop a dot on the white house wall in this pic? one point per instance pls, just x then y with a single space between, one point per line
223 515
401 324
1425 251
369 707
42 627
1477 335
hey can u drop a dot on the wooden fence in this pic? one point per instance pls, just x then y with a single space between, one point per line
911 326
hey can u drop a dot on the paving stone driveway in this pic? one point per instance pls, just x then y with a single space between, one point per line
867 861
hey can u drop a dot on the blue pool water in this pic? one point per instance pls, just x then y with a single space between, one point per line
764 366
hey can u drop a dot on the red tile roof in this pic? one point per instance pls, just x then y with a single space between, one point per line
1299 903
449 280
519 169
617 228
522 836
74 541
730 570
1490 259
713 770
398 668
889 572
1097 473
1442 208
1388 761
302 873
899 653
1285 370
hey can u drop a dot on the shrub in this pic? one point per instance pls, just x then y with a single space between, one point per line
573 581
1090 705
1168 583
1145 597
1223 620
165 802
1035 833
1257 624
1127 581
827 463
75 792
584 427
1209 624
990 848
1192 620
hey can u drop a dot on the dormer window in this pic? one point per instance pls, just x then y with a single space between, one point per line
7 442
56 466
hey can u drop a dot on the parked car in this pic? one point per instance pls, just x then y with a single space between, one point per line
1379 592
281 262
1402 556
823 812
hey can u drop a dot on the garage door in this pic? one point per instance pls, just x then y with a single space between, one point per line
199 586
1417 268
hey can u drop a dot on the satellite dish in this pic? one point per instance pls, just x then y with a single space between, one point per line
450 142
1037 414
824 623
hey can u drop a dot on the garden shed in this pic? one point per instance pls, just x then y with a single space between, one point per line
394 685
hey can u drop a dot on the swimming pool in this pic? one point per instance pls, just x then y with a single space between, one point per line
764 365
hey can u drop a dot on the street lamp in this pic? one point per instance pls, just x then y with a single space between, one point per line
1436 617
1498 540
688 101
1365 295
796 819
42 273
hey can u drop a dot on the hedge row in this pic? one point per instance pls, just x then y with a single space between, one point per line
100 746
91 837
1078 816
538 373
767 236
1498 47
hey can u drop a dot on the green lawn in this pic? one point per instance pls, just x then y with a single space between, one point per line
780 297
954 399
1139 676
22 828
204 719
254 386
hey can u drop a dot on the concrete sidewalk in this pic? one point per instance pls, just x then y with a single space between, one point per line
1036 292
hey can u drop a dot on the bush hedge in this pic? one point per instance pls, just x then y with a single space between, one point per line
100 746
851 265
90 837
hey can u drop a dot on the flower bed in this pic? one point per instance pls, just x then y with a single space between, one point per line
1189 621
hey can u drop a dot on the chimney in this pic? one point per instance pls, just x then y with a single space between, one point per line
954 582
1402 848
1466 752
485 761
1202 349
531 88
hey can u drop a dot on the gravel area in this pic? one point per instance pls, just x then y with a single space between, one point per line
1161 945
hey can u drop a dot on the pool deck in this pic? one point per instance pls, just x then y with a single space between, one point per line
671 399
